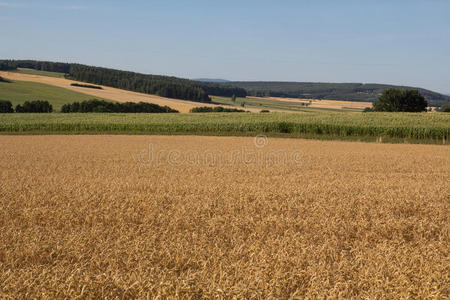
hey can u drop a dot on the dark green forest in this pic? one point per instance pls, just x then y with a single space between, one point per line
165 86
36 106
332 91
101 106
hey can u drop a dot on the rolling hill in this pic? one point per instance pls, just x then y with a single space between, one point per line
332 91
200 90
37 86
20 91
164 86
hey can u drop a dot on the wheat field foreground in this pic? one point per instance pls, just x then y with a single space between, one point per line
122 217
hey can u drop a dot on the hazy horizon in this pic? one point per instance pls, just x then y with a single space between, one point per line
401 43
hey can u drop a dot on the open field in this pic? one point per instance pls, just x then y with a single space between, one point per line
106 92
402 127
326 104
294 104
20 91
97 217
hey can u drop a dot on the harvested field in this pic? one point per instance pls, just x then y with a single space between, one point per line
101 217
107 92
328 104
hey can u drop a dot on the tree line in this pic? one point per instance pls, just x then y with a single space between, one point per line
37 106
87 86
101 106
207 109
165 86
89 106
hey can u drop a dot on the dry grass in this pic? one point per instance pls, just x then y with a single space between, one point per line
331 104
82 217
109 92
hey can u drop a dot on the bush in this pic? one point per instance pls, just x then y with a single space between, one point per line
398 100
207 109
6 107
368 109
445 108
37 106
101 106
87 86
264 111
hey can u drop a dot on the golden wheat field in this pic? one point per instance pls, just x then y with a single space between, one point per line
190 217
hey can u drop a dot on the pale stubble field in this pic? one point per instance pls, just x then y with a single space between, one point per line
95 217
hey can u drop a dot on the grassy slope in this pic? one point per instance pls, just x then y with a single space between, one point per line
37 72
370 126
20 91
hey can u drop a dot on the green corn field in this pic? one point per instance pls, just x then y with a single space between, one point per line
389 127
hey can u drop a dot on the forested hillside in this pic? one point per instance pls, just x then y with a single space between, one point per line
165 86
332 91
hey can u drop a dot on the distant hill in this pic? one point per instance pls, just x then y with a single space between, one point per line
165 86
212 80
333 91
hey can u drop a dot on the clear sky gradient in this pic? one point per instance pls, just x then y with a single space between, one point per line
381 41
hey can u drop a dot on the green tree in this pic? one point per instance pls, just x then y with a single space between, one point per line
445 108
6 107
401 101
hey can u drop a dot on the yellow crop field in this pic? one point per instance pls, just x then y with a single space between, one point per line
192 217
331 104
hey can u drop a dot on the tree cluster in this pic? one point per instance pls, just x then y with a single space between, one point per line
207 109
444 108
37 106
87 86
399 100
101 106
6 107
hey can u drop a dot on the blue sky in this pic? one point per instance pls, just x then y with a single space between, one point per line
381 41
